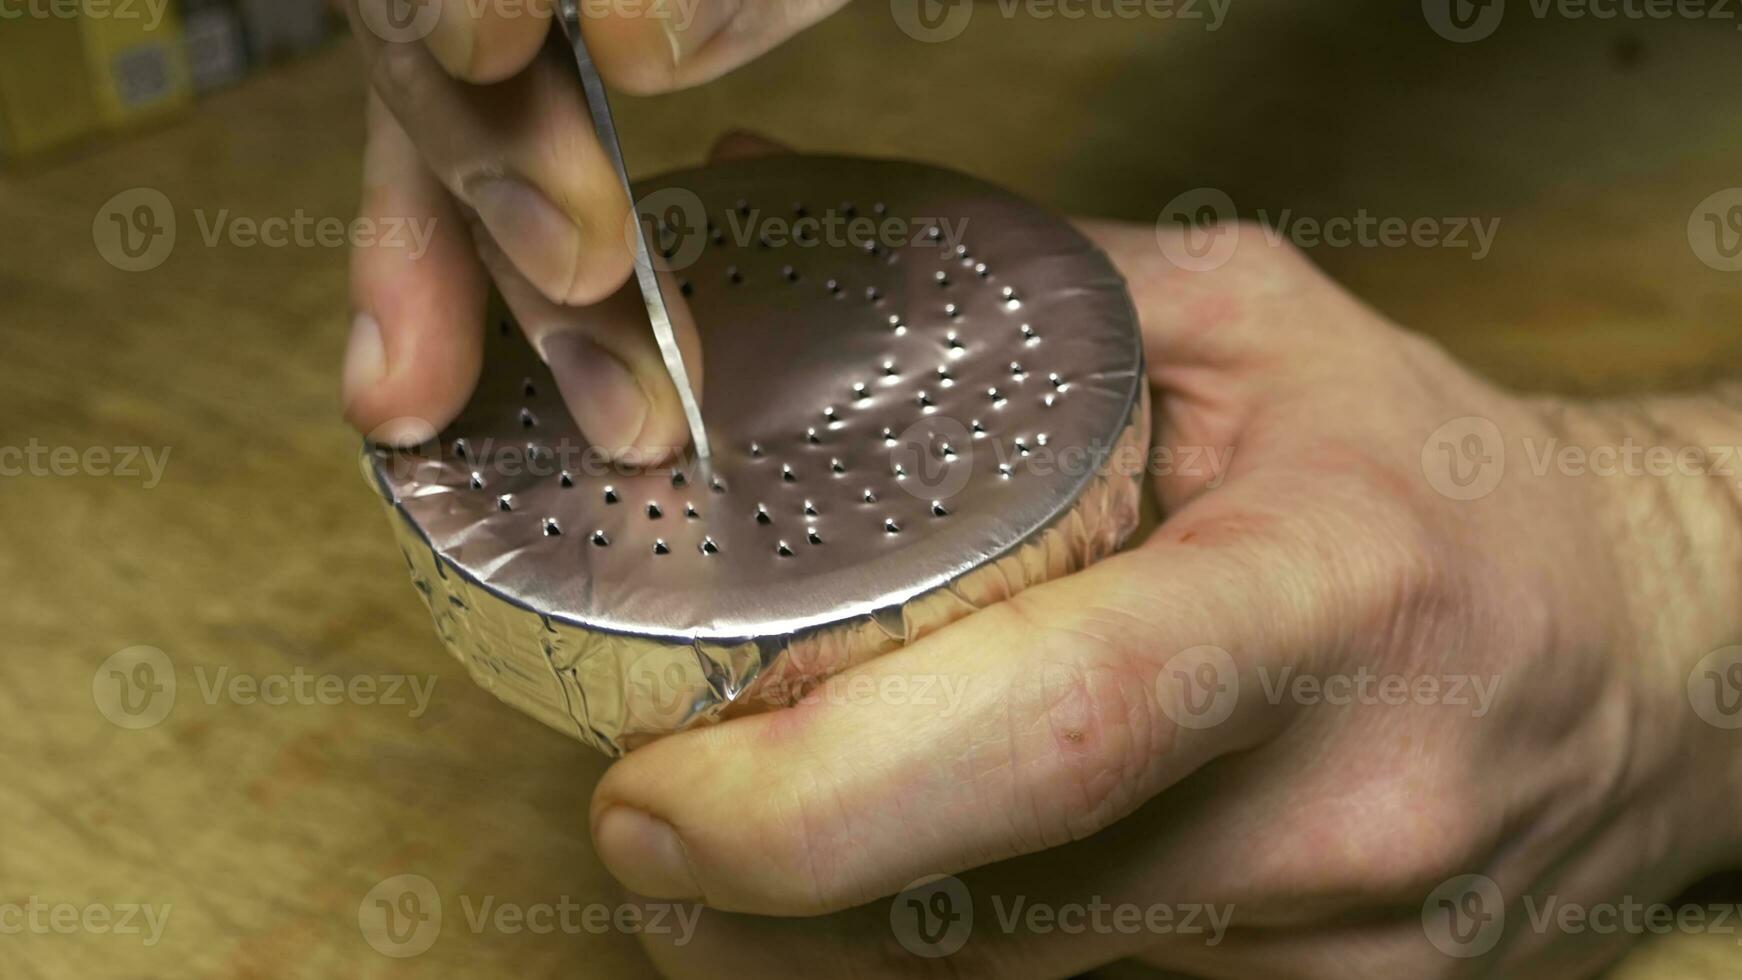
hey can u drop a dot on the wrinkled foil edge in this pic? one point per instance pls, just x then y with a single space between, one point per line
616 692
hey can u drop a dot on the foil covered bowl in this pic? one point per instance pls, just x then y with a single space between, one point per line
918 389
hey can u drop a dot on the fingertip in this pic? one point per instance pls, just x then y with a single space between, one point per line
489 45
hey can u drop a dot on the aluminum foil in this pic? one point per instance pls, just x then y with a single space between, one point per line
924 396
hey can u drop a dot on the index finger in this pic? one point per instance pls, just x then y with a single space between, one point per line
1045 719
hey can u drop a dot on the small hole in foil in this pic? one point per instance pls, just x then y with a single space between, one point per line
837 467
783 550
938 509
813 537
762 516
789 273
890 527
870 496
709 547
611 495
529 389
551 528
653 512
689 511
477 481
566 480
678 480
717 485
756 450
787 475
942 279
527 419
810 436
505 502
810 508
660 547
600 540
733 275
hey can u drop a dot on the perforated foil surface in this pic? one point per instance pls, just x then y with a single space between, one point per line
924 396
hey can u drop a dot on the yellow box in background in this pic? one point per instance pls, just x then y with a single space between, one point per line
71 67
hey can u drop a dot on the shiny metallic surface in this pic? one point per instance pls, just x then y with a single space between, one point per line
654 300
921 390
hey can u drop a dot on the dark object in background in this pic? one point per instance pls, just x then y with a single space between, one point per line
279 28
216 51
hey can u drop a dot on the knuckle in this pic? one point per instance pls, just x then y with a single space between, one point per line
1091 732
814 846
404 74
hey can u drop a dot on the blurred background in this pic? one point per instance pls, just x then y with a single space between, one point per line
195 493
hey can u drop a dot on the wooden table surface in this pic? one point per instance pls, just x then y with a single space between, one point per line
262 553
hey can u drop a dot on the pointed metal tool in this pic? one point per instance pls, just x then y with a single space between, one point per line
657 312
